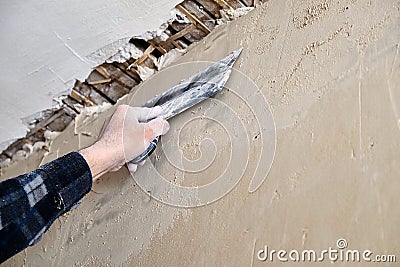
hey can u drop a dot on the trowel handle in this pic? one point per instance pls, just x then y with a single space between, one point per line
147 152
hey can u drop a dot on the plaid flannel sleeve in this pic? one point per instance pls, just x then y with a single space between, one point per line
30 203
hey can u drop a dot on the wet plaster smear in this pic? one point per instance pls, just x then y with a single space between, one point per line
330 71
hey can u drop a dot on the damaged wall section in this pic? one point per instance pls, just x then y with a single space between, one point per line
45 46
121 66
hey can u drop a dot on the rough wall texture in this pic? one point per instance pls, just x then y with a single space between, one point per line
331 73
45 46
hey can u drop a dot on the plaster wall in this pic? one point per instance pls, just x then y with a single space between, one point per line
46 45
330 71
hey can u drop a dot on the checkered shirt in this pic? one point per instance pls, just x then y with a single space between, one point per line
31 202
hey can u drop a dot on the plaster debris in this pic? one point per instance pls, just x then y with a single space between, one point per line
29 149
178 16
94 110
232 14
122 50
51 135
167 59
149 35
5 144
58 99
145 72
4 163
113 79
125 53
175 15
20 154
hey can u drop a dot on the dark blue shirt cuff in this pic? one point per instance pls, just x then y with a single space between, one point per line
31 202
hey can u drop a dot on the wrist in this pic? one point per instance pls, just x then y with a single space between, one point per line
96 160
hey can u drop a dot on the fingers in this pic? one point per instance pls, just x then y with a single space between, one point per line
103 128
155 128
146 114
116 168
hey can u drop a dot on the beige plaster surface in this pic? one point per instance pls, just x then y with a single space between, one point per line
330 71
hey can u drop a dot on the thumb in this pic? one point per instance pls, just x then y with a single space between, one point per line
155 128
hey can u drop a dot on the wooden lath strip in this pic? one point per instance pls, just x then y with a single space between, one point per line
103 72
143 57
80 98
177 45
158 46
179 34
100 81
193 36
235 3
132 73
223 4
193 19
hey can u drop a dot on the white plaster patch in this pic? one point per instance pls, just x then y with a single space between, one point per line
46 46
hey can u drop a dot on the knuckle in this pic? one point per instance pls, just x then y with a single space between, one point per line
148 133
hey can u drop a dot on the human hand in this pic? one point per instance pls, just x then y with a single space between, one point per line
124 137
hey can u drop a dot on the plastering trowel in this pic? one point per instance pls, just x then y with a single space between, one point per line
190 92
